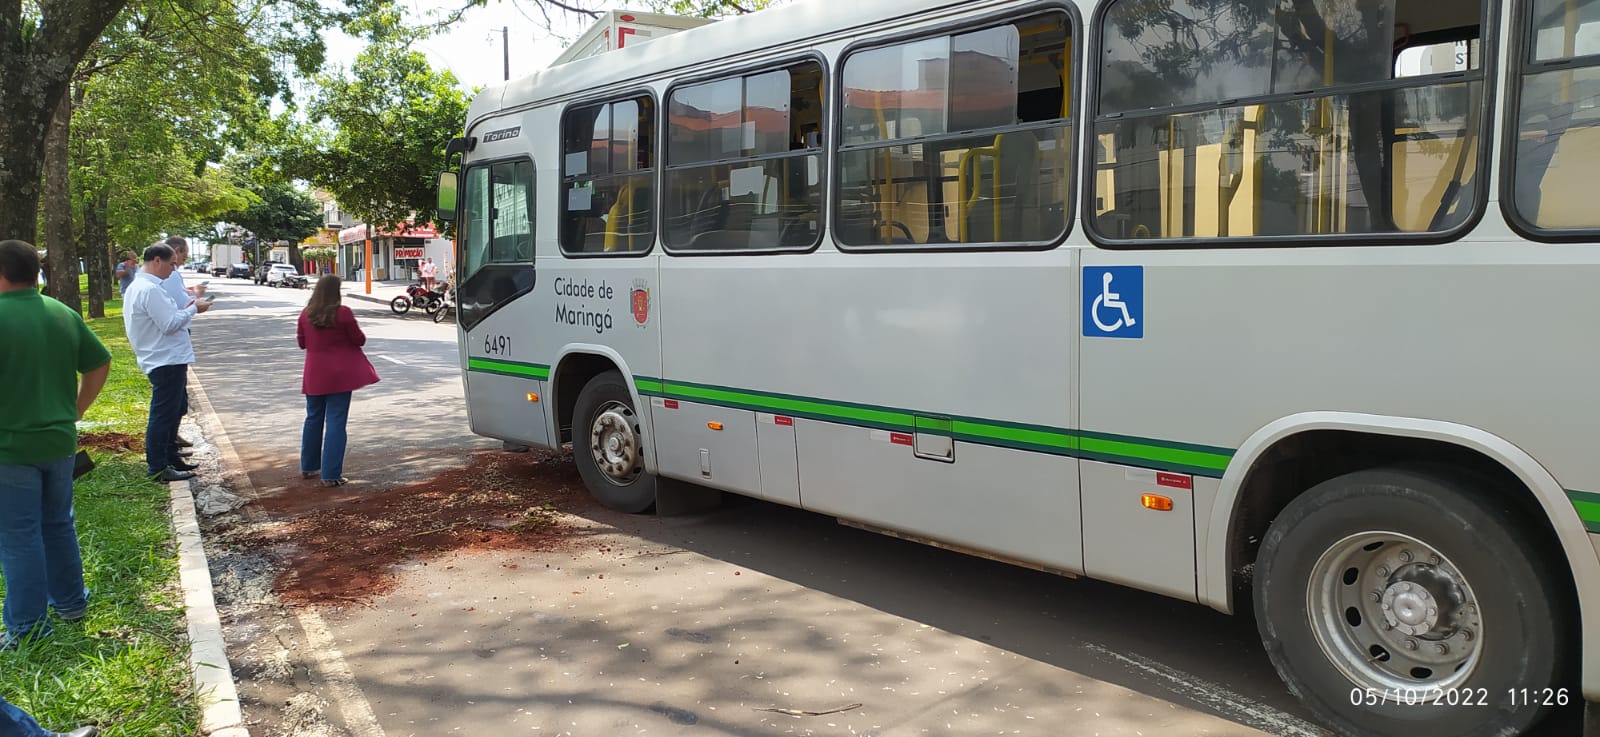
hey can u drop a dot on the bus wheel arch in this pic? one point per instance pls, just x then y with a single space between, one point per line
1406 588
573 370
1291 456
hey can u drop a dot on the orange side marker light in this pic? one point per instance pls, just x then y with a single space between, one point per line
1157 502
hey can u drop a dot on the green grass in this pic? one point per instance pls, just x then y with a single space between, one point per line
125 666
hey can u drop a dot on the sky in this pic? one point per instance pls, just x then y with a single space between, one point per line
472 48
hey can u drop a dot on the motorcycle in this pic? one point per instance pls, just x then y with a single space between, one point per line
418 296
295 280
445 306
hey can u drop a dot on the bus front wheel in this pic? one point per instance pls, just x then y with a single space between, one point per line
1407 600
607 444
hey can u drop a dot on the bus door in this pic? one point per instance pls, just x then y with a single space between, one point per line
495 269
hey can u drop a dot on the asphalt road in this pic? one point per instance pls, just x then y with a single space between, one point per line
733 622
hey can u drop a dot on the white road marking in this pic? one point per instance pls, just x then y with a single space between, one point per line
336 674
1218 698
391 359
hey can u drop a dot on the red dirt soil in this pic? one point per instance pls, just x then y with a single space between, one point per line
339 546
114 442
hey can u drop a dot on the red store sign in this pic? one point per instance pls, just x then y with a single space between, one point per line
408 253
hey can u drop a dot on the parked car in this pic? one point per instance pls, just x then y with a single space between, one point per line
239 271
198 266
284 275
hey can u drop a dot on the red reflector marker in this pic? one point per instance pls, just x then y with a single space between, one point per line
671 404
1174 480
899 438
781 420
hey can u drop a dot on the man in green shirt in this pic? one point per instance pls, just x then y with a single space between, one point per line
41 400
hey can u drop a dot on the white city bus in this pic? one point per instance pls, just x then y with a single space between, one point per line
1283 304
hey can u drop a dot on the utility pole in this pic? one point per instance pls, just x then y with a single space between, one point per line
505 49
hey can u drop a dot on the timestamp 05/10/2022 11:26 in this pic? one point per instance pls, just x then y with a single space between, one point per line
1460 697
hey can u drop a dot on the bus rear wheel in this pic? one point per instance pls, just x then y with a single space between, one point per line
607 444
1406 600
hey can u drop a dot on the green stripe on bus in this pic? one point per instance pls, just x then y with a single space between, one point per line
1589 511
769 403
509 368
1142 449
1158 454
938 425
1056 440
1584 496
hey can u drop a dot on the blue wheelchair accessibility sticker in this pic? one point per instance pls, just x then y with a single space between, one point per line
1113 301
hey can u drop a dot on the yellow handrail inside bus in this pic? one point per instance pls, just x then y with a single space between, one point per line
621 215
886 204
969 200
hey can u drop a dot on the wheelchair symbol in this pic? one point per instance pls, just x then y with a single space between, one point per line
1111 301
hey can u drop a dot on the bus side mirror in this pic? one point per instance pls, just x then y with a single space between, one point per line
447 196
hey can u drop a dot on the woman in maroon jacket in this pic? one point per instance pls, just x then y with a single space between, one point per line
335 367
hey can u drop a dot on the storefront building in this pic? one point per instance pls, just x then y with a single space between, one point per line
395 255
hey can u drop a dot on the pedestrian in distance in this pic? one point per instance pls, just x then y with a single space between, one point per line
126 270
429 273
40 406
158 331
335 367
15 722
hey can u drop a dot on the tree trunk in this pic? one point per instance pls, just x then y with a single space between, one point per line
63 254
97 253
37 60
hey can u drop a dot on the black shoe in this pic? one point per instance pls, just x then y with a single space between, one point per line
185 453
79 732
184 466
172 474
184 443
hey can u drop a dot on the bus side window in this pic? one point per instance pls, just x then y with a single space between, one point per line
958 139
738 158
608 160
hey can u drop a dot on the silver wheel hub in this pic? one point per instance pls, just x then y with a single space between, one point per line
1392 613
614 443
1410 608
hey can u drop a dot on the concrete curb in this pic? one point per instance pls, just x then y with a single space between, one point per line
208 653
367 298
208 649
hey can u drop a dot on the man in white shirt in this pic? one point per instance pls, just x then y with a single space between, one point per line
181 295
429 271
158 331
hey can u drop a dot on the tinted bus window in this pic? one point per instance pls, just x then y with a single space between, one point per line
745 157
959 139
607 160
1286 143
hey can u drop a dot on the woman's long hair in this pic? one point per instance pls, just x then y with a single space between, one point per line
323 309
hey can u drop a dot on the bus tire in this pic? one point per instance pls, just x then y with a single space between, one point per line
1398 601
608 446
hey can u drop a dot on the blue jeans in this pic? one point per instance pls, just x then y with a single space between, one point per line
15 722
323 438
39 547
168 392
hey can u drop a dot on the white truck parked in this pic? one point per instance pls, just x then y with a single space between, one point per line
224 255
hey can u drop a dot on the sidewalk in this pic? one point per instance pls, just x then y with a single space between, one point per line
382 291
